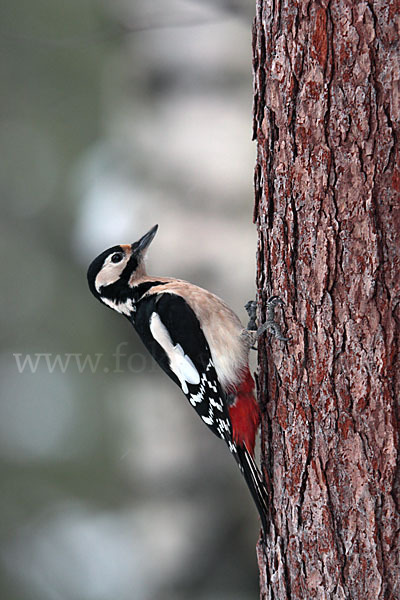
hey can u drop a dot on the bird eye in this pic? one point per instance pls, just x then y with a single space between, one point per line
117 257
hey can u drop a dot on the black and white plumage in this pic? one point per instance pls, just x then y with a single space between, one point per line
196 339
172 334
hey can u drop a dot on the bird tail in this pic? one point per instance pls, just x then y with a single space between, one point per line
255 484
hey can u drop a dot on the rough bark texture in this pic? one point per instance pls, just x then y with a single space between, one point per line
327 185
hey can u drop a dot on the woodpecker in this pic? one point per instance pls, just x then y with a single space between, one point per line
197 340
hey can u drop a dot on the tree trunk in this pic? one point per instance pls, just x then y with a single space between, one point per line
327 191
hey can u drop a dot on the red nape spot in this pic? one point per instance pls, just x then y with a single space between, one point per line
244 413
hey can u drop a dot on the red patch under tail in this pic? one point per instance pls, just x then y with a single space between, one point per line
244 412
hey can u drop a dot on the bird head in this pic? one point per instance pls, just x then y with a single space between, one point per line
112 273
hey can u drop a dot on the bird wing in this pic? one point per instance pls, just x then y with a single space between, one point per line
172 333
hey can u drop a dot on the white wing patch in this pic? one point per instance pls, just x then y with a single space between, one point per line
179 362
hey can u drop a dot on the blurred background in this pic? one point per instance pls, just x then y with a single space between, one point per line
116 116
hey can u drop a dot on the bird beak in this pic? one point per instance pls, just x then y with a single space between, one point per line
141 245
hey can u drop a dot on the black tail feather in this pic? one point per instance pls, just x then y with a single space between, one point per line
255 483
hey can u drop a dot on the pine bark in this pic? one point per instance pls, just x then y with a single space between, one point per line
327 206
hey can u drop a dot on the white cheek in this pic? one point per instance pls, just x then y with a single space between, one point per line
109 274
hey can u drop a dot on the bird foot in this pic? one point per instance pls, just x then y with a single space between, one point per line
252 332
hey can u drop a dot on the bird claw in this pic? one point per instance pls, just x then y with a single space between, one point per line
251 308
270 324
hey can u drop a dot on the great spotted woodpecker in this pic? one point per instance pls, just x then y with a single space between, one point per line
197 340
